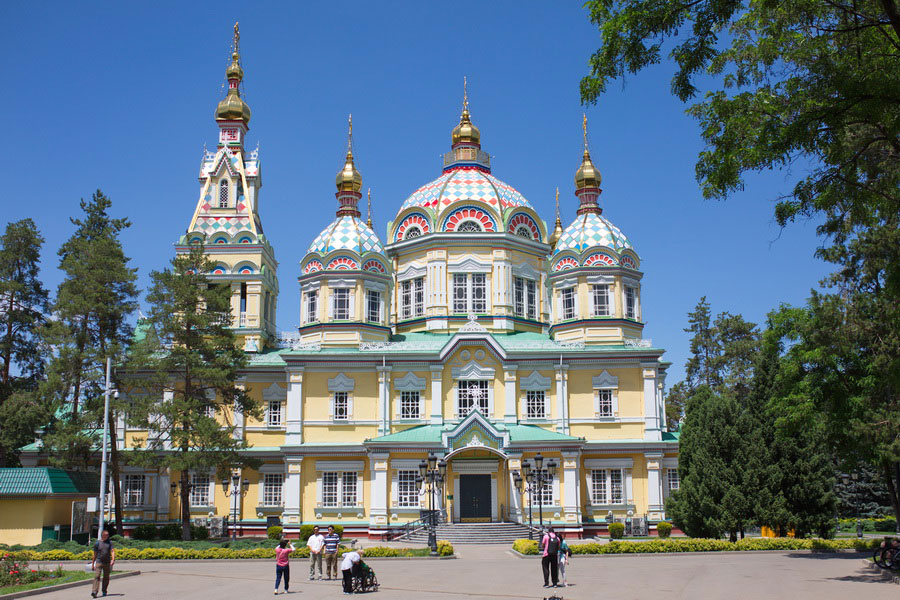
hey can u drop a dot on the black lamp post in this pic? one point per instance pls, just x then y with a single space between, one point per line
432 473
234 488
855 477
519 481
537 478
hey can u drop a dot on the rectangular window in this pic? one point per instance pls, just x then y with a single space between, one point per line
409 405
531 299
460 293
407 489
208 410
525 296
479 293
133 494
311 314
605 403
273 414
567 298
412 298
348 491
469 293
272 486
672 481
341 406
200 490
601 300
534 405
598 486
630 302
544 496
519 296
341 299
373 306
472 395
615 487
330 488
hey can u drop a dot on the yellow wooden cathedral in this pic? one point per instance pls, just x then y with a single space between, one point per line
468 330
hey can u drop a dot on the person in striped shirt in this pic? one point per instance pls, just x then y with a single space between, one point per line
331 553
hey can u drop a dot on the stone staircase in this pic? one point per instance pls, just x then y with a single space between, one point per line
471 533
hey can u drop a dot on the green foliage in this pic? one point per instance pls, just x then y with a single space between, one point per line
305 532
444 548
274 532
529 547
145 532
616 531
184 376
663 529
199 532
170 531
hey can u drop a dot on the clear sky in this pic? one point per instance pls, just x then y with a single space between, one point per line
120 96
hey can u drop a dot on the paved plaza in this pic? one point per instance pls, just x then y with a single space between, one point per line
494 572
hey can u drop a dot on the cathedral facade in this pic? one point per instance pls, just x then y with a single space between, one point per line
468 330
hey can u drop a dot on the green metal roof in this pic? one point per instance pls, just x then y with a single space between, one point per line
43 481
432 434
671 436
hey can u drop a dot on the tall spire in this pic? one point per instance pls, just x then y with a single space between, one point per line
466 132
587 179
369 215
349 179
557 226
232 113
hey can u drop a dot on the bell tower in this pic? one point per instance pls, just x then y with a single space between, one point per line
227 219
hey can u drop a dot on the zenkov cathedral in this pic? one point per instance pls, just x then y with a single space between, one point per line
470 331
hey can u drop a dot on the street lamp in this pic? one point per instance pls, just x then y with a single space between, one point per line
235 490
432 473
855 477
106 394
536 479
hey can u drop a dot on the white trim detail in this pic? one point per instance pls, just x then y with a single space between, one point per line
340 383
340 465
410 383
469 264
605 381
274 392
527 271
473 371
608 463
411 272
535 382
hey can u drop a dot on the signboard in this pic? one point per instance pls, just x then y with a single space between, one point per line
79 521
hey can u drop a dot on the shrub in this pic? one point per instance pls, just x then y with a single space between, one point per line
305 532
274 532
144 532
444 548
529 547
339 529
663 529
886 525
616 530
199 532
170 531
706 545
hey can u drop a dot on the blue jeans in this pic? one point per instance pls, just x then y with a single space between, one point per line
286 571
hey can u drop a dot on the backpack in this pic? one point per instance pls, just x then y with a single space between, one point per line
552 545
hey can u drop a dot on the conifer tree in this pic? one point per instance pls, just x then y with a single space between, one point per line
184 377
23 307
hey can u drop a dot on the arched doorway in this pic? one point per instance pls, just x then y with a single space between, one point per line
477 485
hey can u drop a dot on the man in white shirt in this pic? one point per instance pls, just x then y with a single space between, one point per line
350 568
316 543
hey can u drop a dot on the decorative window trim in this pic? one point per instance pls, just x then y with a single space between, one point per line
608 463
468 264
535 382
340 383
271 468
472 371
412 272
340 465
669 463
274 392
526 271
605 382
320 472
410 383
342 283
374 285
490 397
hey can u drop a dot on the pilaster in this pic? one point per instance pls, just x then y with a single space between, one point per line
516 513
293 500
571 487
509 386
378 468
437 395
562 398
652 430
294 421
384 399
655 507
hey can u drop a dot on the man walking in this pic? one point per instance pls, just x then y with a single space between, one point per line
331 553
315 542
102 562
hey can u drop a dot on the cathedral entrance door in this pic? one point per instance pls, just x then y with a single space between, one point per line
475 498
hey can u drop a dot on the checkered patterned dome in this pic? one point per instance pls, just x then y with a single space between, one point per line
591 230
347 233
466 185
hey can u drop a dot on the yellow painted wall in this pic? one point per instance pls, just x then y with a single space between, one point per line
21 520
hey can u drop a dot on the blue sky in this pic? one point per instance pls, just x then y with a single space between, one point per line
120 96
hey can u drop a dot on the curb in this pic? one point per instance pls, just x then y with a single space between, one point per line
710 552
884 574
62 586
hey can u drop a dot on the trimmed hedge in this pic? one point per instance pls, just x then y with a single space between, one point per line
444 549
530 547
616 530
274 532
663 529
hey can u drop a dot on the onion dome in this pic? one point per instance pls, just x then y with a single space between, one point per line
465 132
587 175
466 185
592 230
348 178
233 107
347 233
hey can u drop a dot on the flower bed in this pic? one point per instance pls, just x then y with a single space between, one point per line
530 547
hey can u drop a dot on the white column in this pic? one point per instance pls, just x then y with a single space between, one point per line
514 501
652 430
384 399
294 421
571 487
437 395
562 399
293 501
378 473
509 385
654 484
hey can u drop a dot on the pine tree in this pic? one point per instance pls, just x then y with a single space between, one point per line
187 373
700 367
23 306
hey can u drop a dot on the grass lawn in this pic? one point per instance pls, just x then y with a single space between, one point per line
68 577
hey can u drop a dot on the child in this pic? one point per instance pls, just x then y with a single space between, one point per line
564 554
282 564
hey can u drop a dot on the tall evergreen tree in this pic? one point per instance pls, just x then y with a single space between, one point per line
23 307
187 375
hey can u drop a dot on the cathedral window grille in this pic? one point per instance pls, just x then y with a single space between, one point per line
273 484
373 306
412 298
472 395
525 292
568 303
523 231
223 193
273 414
605 403
412 232
200 490
311 307
535 405
341 299
330 484
615 486
133 492
409 405
469 293
341 406
469 227
407 489
601 300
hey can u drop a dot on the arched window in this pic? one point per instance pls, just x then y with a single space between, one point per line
413 232
523 231
468 227
223 193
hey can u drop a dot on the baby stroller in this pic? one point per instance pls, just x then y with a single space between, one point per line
364 580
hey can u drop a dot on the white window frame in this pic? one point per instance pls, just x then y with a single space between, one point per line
463 390
412 298
274 413
201 494
373 309
272 493
536 399
340 296
601 296
409 497
670 480
631 309
134 487
602 468
341 473
340 406
525 297
568 312
605 384
311 306
410 405
534 382
224 194
343 385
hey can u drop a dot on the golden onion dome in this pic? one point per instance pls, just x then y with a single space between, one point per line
465 132
233 107
587 175
349 178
